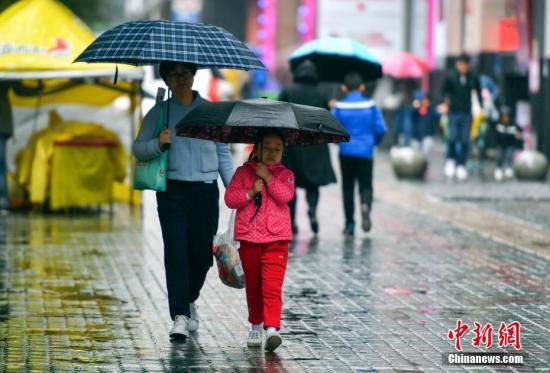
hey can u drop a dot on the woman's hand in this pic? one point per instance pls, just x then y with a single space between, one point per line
261 171
164 138
256 188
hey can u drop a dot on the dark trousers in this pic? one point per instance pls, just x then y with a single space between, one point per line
360 170
188 214
402 124
3 172
459 137
505 157
312 198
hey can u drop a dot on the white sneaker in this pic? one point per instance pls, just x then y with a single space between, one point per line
193 324
498 174
272 341
254 338
508 173
179 330
449 168
461 173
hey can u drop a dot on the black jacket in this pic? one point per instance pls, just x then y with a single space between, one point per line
6 115
311 164
506 134
459 91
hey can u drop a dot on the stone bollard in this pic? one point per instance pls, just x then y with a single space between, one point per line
530 165
408 163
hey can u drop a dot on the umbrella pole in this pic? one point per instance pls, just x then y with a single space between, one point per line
167 124
258 198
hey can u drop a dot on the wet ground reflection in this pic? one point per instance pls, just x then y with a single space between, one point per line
87 294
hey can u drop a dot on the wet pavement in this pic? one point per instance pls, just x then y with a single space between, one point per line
86 292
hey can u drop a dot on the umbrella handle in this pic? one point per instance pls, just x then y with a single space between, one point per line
166 146
258 204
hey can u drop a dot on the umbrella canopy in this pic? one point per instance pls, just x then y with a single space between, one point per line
404 65
488 83
242 122
151 42
336 56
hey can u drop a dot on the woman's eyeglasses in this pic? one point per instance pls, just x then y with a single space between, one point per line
183 75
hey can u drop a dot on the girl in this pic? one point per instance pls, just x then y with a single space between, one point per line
264 233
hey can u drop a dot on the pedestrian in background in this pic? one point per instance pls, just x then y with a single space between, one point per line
507 135
311 164
365 124
264 232
6 129
425 120
402 117
458 88
188 210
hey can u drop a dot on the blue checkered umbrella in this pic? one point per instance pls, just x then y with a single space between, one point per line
150 42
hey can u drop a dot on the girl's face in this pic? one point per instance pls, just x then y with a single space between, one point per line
272 150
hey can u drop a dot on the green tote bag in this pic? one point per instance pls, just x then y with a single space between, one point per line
151 174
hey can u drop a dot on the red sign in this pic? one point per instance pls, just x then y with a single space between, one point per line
508 34
508 335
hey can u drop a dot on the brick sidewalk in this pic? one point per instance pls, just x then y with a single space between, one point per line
87 294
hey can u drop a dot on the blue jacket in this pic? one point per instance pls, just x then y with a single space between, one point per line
364 123
188 159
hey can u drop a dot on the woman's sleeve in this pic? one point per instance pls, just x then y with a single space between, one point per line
146 146
236 192
225 162
281 186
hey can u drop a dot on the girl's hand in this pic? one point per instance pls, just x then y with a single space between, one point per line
164 138
256 188
261 171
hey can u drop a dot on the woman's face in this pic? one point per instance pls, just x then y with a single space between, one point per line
272 150
180 79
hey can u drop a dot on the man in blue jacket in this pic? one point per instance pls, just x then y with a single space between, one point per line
365 124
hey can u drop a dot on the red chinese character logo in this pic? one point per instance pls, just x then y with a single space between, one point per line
457 333
483 335
509 335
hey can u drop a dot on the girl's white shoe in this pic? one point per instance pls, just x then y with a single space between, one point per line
273 340
254 338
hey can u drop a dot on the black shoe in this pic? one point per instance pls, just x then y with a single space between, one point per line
349 230
313 223
314 226
365 216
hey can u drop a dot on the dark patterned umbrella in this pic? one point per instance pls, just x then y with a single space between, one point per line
242 121
150 42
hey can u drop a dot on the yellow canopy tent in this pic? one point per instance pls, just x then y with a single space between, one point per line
39 40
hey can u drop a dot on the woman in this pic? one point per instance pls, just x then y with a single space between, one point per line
310 164
188 209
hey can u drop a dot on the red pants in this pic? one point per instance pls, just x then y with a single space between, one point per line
264 267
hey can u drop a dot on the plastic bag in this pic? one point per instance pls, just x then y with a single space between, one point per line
226 252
